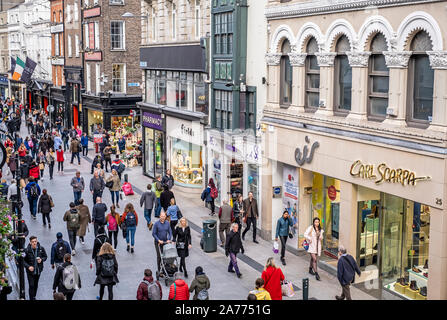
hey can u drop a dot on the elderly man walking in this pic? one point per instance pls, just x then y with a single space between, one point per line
346 269
225 219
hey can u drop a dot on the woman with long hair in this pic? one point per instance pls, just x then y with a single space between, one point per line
182 238
115 188
209 194
60 160
113 221
172 213
41 161
51 158
44 207
314 235
272 277
130 220
106 270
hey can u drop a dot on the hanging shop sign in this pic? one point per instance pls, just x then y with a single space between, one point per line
383 173
306 155
332 193
153 121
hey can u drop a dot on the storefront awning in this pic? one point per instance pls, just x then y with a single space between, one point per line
179 58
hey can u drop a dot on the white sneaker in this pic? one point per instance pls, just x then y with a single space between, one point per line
73 252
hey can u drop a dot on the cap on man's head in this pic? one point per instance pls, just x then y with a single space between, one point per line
59 235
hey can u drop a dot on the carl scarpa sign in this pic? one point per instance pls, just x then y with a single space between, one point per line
383 173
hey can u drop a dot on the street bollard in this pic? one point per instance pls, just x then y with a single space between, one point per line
306 289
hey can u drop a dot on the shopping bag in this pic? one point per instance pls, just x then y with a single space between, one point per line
305 245
287 289
275 247
127 189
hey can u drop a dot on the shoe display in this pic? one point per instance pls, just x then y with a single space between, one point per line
423 291
402 282
416 269
311 271
425 274
426 264
362 251
413 285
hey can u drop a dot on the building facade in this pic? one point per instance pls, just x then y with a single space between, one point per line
354 128
111 71
176 90
4 54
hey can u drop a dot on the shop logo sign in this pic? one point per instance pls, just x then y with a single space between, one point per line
386 174
151 120
186 130
303 157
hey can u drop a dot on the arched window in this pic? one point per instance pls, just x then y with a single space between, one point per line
378 79
343 76
420 80
286 75
312 76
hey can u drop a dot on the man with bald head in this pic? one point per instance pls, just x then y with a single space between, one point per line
98 215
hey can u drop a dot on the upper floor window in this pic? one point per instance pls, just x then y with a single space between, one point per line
223 33
119 78
343 75
116 2
197 20
378 79
174 21
117 35
420 80
286 75
312 76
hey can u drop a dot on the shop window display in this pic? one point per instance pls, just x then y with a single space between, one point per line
186 163
236 179
122 127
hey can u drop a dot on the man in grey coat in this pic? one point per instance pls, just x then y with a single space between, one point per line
225 219
97 186
148 198
78 185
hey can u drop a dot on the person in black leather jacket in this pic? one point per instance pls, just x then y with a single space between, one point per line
35 255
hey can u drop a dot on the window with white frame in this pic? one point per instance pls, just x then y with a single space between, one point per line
56 44
68 13
197 18
119 77
77 45
98 80
117 35
343 76
96 35
154 25
89 78
61 43
116 2
75 12
70 52
174 21
86 42
312 100
378 79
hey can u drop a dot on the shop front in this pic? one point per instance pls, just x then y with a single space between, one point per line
95 121
4 91
154 134
377 201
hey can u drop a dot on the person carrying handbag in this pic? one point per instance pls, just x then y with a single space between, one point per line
314 236
182 238
283 232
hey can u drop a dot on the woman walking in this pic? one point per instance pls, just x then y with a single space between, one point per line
272 277
314 235
172 213
84 219
130 220
182 238
115 188
209 194
106 270
41 161
60 160
113 220
201 283
50 160
44 207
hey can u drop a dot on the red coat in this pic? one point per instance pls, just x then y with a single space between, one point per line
272 282
181 291
60 156
142 293
34 172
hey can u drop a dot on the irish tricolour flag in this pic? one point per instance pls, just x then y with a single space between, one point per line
20 65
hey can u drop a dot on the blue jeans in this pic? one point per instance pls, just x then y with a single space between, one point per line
233 263
158 208
147 215
131 233
77 196
115 194
33 206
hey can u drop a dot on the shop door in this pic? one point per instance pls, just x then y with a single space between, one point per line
75 116
236 179
369 213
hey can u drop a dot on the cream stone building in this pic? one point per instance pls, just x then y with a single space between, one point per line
354 133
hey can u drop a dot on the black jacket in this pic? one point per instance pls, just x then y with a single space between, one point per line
44 205
30 259
99 241
97 160
106 280
346 269
165 198
167 181
24 170
58 281
16 240
99 213
233 243
181 235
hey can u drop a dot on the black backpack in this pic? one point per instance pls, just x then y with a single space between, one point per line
131 220
107 267
61 250
33 191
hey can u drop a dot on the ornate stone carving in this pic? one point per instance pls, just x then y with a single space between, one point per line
325 59
358 58
397 59
297 59
273 59
438 59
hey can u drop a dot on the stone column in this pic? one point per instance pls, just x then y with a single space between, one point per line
273 81
326 63
397 62
266 203
438 61
297 60
305 200
348 217
359 63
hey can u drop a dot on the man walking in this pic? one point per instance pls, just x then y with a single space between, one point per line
107 153
84 144
251 212
225 219
75 148
98 215
346 269
148 198
78 185
33 193
67 279
158 188
35 255
97 186
58 251
73 224
232 247
162 234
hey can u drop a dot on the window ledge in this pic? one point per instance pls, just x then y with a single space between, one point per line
118 50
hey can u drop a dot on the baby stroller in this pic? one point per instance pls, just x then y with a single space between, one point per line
169 263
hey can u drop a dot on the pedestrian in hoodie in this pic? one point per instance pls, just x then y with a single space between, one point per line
148 198
73 224
67 275
58 251
146 289
179 289
100 239
35 255
200 282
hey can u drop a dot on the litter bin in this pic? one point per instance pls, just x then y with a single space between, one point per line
210 235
